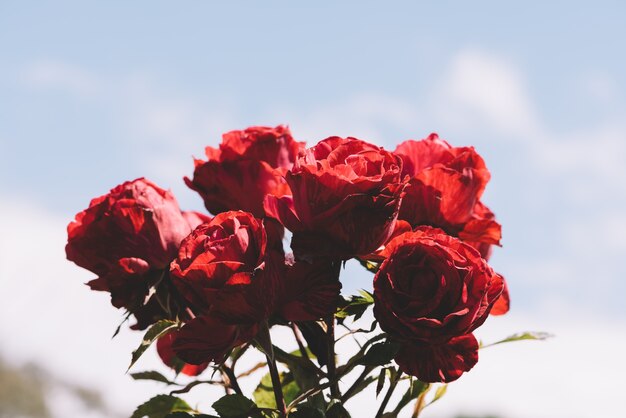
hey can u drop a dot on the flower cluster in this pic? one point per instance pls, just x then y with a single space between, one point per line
414 216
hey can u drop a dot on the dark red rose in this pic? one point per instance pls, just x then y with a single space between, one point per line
135 219
346 195
128 237
310 291
223 268
431 289
209 339
170 359
444 191
247 166
438 363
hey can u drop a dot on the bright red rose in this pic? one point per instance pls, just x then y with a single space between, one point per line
223 269
430 290
346 195
128 237
444 191
247 166
170 359
310 291
135 219
209 339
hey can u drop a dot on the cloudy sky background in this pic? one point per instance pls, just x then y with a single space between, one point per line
93 94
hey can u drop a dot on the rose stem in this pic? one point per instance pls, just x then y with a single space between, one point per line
392 387
296 334
232 379
352 390
265 341
330 341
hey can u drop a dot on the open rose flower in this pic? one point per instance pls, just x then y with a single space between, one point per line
346 195
430 293
128 237
444 191
247 166
223 268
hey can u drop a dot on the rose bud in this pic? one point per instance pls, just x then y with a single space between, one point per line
223 268
444 191
247 166
170 359
346 195
128 237
430 293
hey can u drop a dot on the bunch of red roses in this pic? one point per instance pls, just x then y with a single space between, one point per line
209 287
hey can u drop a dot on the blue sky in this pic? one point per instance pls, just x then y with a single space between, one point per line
92 94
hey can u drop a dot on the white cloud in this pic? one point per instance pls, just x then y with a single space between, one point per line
62 76
481 90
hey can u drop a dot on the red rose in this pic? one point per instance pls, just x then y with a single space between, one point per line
310 291
209 339
135 219
223 268
247 166
346 195
169 357
444 191
431 290
128 237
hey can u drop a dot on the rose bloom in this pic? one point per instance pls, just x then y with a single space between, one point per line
128 237
247 166
444 191
222 267
430 293
230 277
346 195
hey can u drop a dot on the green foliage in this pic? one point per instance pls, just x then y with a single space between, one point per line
521 336
416 388
380 354
307 411
152 375
336 410
264 392
234 406
354 306
154 333
160 407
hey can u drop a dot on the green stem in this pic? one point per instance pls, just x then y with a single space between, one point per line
265 342
392 387
332 367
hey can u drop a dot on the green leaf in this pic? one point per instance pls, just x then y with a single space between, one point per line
381 381
336 410
264 392
154 332
188 415
355 306
234 406
416 388
307 411
441 390
152 375
521 336
380 354
369 265
160 406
